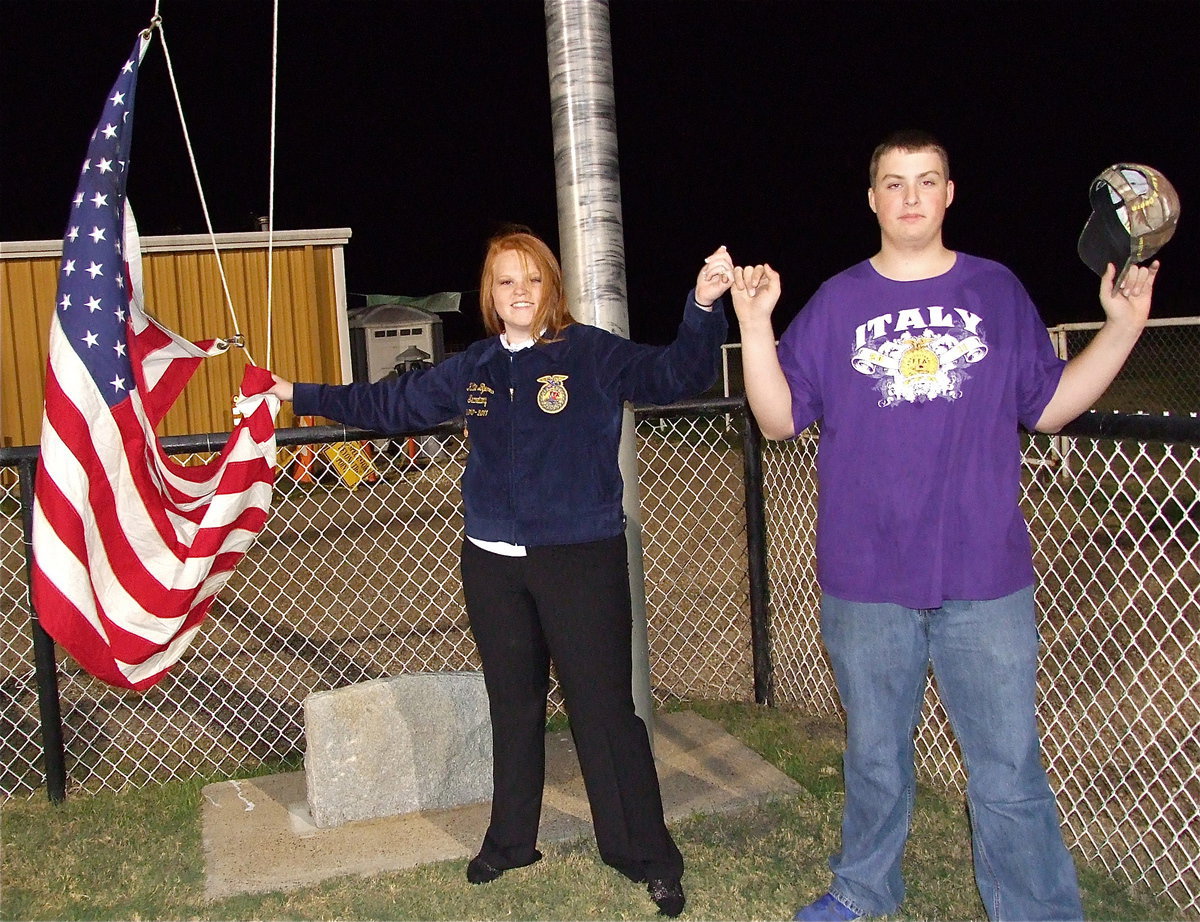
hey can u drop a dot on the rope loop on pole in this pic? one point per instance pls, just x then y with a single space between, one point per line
155 21
238 339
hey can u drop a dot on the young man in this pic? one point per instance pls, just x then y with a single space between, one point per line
921 364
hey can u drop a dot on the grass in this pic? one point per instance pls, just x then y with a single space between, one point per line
138 855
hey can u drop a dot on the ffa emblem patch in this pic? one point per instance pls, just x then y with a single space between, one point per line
919 360
552 397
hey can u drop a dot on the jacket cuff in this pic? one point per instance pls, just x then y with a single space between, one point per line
693 312
304 399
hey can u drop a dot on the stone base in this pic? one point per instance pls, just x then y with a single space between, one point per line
397 745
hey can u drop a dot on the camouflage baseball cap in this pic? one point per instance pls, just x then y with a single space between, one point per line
1134 212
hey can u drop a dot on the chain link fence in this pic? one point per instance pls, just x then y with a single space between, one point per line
1161 374
346 585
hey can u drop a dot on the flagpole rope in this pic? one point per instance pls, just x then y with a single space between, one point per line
271 179
200 189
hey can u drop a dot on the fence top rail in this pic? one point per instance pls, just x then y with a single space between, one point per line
1093 424
713 406
304 435
1140 426
1152 322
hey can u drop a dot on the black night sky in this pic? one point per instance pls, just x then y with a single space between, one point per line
423 125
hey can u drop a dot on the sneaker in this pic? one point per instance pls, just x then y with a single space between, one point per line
480 872
826 909
667 895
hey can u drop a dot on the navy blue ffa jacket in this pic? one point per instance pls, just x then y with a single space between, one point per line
544 422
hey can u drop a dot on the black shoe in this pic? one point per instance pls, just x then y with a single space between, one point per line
480 872
667 895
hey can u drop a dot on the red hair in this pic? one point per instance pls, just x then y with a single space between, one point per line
552 315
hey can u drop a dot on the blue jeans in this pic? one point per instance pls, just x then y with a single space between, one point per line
984 656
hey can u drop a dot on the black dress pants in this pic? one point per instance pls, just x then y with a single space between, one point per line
568 604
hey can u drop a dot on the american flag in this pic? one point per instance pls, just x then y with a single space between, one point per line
130 548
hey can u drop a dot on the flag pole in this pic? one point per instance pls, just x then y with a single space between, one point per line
591 241
44 660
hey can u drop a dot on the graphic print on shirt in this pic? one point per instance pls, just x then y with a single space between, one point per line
919 354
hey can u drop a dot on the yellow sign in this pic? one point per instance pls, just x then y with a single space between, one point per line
352 461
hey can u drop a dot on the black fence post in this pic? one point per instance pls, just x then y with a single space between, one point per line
45 664
756 549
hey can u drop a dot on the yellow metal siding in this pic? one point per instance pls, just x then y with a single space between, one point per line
184 292
28 288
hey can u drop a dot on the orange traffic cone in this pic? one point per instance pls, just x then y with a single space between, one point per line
368 451
302 469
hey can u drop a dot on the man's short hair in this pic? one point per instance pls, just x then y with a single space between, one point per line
909 140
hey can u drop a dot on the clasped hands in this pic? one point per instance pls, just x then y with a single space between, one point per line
755 289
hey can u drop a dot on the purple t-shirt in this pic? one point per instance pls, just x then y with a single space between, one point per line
920 388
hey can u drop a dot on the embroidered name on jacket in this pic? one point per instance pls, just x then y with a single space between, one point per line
477 398
552 396
919 354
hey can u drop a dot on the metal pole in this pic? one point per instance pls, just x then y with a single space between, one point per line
1058 445
45 666
756 551
591 242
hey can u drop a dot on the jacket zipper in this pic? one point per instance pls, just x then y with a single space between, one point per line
512 442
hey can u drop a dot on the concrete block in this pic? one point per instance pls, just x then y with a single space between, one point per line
397 745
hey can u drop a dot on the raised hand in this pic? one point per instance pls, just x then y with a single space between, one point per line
755 292
1088 374
715 278
1128 303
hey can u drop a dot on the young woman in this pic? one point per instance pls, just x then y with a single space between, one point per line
543 566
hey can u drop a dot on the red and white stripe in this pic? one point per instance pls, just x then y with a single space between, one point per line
130 548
